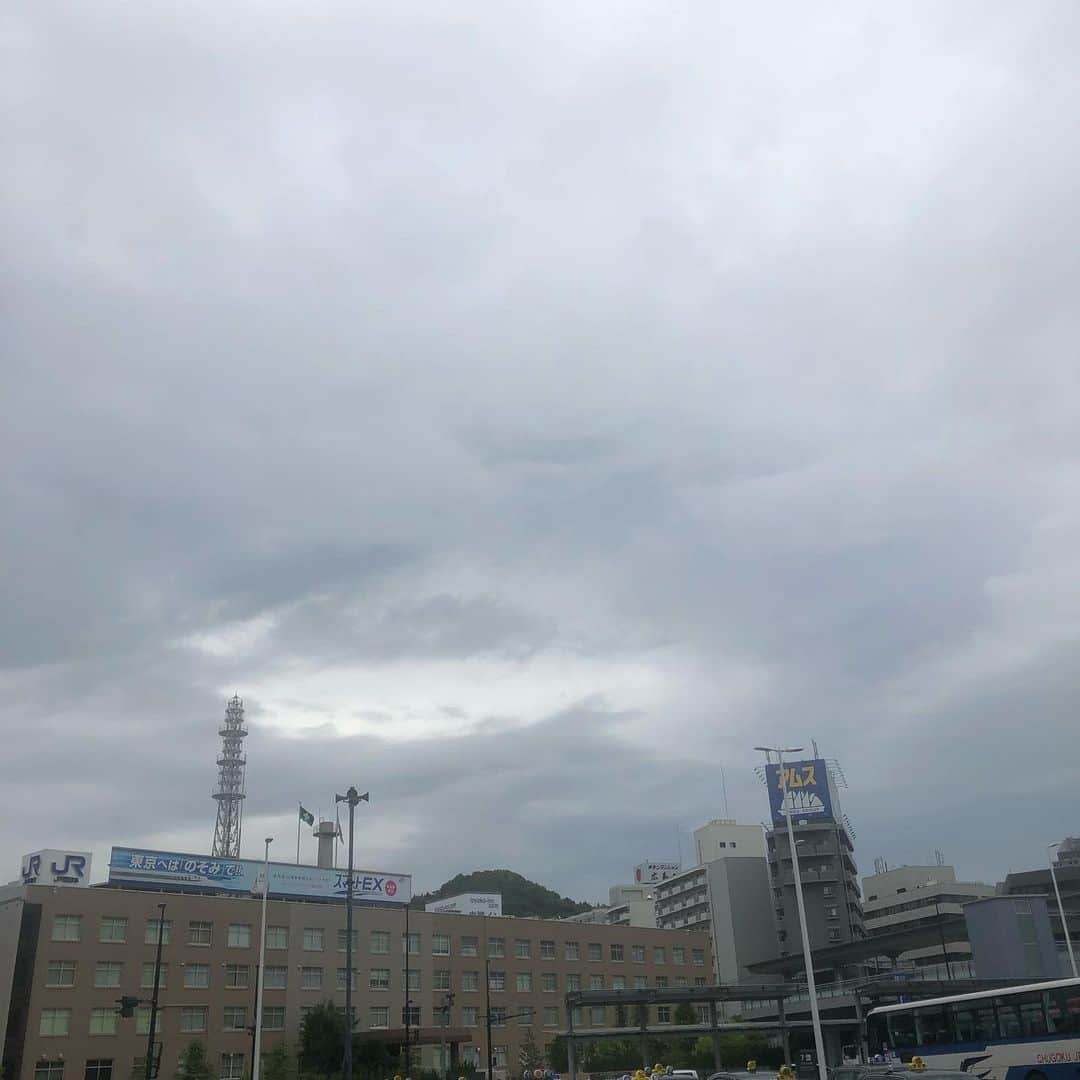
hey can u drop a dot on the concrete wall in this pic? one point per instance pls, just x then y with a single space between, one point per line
744 930
1011 938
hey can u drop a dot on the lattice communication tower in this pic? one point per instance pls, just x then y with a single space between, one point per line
229 793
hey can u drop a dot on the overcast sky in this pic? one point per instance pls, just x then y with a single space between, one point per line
529 408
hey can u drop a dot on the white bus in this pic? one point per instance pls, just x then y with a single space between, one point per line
1029 1032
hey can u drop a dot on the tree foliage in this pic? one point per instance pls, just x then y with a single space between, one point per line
322 1036
276 1063
194 1063
520 896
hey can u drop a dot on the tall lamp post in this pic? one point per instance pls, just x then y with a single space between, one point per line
353 798
811 984
1061 908
149 1070
259 974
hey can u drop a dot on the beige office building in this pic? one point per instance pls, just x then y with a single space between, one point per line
68 954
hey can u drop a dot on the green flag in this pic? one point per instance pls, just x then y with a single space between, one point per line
306 816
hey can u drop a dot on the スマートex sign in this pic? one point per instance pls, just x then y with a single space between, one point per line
198 872
802 790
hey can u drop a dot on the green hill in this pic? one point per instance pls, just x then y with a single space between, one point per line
520 896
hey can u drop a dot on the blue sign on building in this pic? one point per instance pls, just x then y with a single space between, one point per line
803 790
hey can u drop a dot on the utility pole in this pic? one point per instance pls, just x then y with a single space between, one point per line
353 798
150 1071
447 1003
487 1010
408 1002
941 934
260 970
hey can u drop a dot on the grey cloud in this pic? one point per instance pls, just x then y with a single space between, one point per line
719 363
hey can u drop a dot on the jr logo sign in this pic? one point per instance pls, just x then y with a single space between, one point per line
52 867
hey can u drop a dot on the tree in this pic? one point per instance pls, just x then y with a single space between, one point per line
277 1063
532 1057
194 1063
322 1036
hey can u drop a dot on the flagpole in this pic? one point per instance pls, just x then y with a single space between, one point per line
301 807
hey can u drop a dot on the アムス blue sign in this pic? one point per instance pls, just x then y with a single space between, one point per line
201 873
802 790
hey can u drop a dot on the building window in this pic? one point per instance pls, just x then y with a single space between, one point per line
780 913
551 1016
832 913
700 980
379 942
440 944
276 977
237 976
577 1016
659 956
523 948
60 973
103 1021
524 982
496 946
147 980
470 1016
98 1069
193 1018
412 979
499 1053
637 954
441 979
470 946
598 1016
49 1070
616 953
573 981
112 928
277 937
829 891
235 1017
661 982
411 1015
703 1014
470 981
55 1022
547 950
618 982
641 982
834 933
232 1067
678 954
313 939
596 951
573 950
150 934
497 981
681 981
380 1016
200 933
378 979
549 982
311 978
410 945
197 976
274 1017
239 936
697 957
663 1014
342 941
67 928
341 978
498 1016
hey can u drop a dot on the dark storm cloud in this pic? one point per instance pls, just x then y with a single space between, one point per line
528 411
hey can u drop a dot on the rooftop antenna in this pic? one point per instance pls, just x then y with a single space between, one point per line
939 857
813 743
723 790
879 865
229 793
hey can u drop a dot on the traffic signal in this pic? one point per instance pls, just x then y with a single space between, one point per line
127 1005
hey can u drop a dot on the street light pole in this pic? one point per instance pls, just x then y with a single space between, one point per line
353 798
1061 908
149 1070
941 934
811 984
487 1008
260 973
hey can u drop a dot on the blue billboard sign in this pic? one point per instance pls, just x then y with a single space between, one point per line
803 791
140 866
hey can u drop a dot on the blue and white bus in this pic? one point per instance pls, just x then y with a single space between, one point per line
1029 1032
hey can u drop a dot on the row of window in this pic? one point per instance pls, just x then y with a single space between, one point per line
56 1022
114 929
110 973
